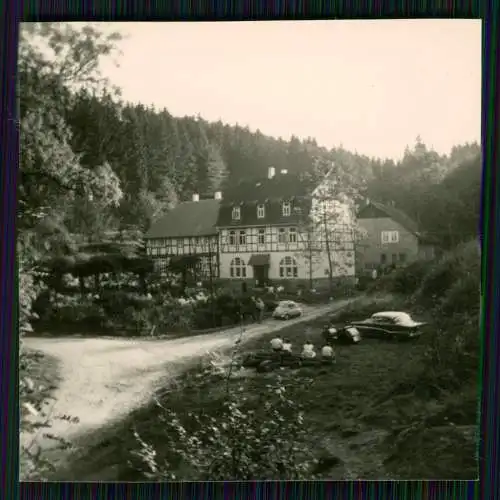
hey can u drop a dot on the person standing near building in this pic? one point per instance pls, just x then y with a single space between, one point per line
259 304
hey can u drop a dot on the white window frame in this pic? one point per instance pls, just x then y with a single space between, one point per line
286 209
282 236
261 232
261 211
232 238
238 268
292 232
242 237
390 236
288 268
236 214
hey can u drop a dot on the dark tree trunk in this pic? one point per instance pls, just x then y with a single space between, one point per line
81 282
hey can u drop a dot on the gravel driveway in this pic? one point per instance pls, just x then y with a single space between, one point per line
105 379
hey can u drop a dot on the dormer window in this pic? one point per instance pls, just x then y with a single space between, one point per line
261 211
286 208
236 213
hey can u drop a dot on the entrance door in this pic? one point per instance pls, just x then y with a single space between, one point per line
261 274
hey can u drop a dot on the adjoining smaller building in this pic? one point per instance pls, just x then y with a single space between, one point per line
188 232
391 239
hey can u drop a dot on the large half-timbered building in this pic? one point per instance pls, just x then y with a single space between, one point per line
189 230
267 233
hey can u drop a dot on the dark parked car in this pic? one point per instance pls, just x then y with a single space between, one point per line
389 325
347 334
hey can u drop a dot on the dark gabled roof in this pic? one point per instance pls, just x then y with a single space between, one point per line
269 192
392 213
279 187
188 219
273 213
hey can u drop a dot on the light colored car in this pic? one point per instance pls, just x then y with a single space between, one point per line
389 324
287 309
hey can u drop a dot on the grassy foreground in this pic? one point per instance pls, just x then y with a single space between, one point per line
366 417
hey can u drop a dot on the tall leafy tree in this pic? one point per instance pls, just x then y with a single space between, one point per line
52 175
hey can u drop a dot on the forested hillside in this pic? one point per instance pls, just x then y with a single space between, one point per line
156 160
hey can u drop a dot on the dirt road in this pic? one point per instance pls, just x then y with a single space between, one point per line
104 379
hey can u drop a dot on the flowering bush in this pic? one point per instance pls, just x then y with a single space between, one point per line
63 309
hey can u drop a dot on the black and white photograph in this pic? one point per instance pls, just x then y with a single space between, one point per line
249 250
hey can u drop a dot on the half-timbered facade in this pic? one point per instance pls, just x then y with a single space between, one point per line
268 233
189 230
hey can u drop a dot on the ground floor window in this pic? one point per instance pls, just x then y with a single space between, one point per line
288 268
206 268
238 268
161 265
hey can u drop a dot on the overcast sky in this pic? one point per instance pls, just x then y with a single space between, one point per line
372 86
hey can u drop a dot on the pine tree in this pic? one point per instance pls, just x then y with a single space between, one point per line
216 170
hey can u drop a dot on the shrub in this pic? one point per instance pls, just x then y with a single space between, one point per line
365 307
405 280
246 440
452 355
462 262
241 444
204 317
463 296
451 289
73 309
228 307
157 319
117 299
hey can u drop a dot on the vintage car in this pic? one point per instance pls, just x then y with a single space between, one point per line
347 334
287 309
389 325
